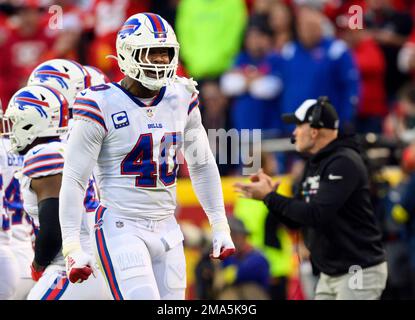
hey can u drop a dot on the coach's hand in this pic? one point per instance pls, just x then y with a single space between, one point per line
78 264
260 186
222 242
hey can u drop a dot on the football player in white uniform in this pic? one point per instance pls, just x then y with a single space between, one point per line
38 115
132 130
97 76
66 76
22 226
8 264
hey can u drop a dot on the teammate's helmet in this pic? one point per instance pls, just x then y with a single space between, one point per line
66 76
137 36
97 76
33 112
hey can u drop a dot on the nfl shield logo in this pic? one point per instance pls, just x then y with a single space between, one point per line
150 113
119 224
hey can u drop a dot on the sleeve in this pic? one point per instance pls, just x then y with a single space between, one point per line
331 196
203 170
45 162
88 109
233 84
266 88
82 152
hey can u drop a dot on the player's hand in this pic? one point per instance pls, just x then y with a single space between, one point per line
78 265
36 271
222 242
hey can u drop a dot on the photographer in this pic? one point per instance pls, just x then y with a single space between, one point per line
332 206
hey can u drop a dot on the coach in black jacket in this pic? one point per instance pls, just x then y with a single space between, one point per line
333 206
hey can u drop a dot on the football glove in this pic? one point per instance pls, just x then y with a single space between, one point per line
78 264
222 242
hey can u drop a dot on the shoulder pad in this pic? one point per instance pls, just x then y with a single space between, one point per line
189 84
44 160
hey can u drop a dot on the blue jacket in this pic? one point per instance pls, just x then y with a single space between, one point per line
248 112
327 69
252 268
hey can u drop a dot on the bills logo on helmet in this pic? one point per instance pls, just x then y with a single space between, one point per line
129 27
26 99
47 72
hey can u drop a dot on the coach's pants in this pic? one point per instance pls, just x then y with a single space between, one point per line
140 258
359 284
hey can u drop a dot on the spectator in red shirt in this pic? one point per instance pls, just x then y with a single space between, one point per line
106 17
27 41
391 29
68 34
371 64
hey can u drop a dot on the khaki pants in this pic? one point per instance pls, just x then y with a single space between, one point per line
358 284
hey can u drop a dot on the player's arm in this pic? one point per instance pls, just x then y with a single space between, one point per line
48 240
84 145
206 182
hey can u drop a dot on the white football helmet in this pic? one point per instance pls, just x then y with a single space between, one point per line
97 76
33 112
137 36
66 76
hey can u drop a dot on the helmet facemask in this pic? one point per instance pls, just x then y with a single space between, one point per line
140 65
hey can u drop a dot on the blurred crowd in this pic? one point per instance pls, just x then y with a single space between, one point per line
254 60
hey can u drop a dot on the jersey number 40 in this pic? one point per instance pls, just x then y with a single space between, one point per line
140 163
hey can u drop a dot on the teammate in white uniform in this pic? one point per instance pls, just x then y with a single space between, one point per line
66 76
97 76
9 275
22 226
39 115
132 130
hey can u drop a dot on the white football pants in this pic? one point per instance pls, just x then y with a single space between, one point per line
141 259
54 285
9 274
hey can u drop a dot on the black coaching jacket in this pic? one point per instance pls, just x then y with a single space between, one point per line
334 209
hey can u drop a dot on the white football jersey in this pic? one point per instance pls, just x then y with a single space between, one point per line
5 223
46 160
137 165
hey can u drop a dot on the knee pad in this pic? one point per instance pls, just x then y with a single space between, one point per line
174 275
